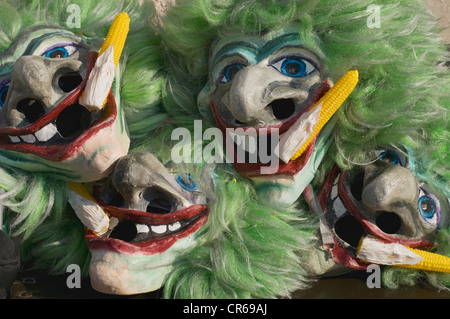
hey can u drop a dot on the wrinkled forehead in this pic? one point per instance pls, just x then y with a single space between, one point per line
258 46
35 41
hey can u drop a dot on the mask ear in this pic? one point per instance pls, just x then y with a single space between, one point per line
203 104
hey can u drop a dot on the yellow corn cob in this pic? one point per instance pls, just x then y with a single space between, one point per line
80 189
117 35
430 262
332 100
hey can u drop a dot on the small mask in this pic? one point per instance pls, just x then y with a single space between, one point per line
42 125
384 200
155 216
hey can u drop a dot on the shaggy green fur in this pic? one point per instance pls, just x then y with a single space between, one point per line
254 255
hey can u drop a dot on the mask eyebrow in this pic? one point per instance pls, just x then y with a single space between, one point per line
234 48
26 43
284 40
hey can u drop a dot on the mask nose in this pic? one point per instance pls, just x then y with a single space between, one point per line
390 197
38 84
250 98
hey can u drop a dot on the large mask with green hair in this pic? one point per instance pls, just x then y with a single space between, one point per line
266 84
43 126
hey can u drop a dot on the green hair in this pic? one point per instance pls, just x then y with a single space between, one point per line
250 251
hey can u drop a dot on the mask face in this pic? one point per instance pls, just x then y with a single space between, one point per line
159 215
384 199
43 128
260 86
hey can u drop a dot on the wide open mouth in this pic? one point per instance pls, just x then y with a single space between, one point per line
58 135
149 232
259 142
340 198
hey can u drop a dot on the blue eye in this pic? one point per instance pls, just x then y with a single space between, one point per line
428 208
60 52
186 182
294 66
230 71
3 94
391 157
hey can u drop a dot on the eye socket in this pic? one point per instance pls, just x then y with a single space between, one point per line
3 93
60 52
391 156
229 72
186 182
294 66
428 208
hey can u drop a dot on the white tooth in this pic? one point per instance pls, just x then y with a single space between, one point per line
141 228
15 139
113 222
334 191
160 229
174 226
28 138
338 207
46 133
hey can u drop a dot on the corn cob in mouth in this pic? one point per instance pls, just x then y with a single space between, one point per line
374 251
102 75
296 140
86 208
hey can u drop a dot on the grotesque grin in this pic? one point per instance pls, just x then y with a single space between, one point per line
350 219
146 232
250 164
57 135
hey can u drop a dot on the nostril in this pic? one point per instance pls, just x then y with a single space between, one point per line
69 81
388 222
158 203
32 109
283 108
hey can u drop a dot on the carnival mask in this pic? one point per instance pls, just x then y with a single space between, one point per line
43 127
155 216
383 200
259 87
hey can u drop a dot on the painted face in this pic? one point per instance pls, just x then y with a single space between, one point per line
159 216
42 126
264 84
383 199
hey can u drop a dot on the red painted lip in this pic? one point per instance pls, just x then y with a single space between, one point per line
254 169
345 254
197 213
60 152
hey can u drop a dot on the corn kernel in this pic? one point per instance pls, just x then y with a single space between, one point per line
117 35
430 262
332 100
